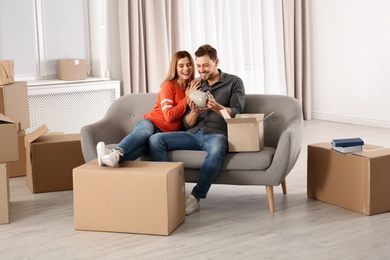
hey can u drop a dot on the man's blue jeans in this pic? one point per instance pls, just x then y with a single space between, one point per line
135 144
214 144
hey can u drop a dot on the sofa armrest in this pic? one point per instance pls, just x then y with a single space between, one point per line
286 154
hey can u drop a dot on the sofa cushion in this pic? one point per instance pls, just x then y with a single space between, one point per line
233 161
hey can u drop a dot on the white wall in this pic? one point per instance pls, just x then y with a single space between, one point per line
351 61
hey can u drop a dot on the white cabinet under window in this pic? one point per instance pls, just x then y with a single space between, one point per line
67 107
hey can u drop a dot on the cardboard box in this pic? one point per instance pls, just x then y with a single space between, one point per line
18 168
356 181
51 159
8 140
71 69
245 132
14 103
4 194
6 72
137 197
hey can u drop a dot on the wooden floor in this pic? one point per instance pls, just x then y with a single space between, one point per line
234 222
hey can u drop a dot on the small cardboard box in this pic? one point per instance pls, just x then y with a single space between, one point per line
8 140
71 69
6 72
356 181
245 132
14 103
4 194
137 197
51 159
18 168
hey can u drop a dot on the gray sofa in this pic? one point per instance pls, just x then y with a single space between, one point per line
269 167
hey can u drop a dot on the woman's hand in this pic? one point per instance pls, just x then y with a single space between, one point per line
194 84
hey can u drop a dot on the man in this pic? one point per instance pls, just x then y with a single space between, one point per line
206 128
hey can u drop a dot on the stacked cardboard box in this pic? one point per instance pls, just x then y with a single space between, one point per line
4 194
14 105
14 118
8 152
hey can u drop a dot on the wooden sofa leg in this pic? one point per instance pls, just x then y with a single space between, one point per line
270 195
284 186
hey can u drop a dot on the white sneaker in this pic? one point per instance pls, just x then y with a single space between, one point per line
101 151
192 205
111 159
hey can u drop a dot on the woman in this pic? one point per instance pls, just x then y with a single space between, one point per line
166 116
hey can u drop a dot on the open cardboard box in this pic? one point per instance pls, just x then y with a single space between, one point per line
51 159
245 131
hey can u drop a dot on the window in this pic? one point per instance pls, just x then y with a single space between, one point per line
36 33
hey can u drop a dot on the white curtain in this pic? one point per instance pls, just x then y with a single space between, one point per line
248 35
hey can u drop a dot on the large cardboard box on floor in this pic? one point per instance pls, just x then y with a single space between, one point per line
4 194
51 159
137 197
356 181
6 72
14 103
8 140
71 69
245 132
18 168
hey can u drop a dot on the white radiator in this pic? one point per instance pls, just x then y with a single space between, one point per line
68 107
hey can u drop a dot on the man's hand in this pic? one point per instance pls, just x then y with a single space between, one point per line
215 106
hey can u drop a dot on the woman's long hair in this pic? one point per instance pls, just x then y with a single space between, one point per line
172 74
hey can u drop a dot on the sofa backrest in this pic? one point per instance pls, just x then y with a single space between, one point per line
129 109
287 110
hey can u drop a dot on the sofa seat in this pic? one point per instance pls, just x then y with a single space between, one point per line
233 161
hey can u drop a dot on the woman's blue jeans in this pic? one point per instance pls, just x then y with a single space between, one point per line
135 144
214 144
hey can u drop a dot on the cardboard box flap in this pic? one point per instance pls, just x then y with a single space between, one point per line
35 134
244 118
369 150
373 153
4 119
6 72
28 139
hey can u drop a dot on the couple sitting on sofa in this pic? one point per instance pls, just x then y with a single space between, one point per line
158 132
